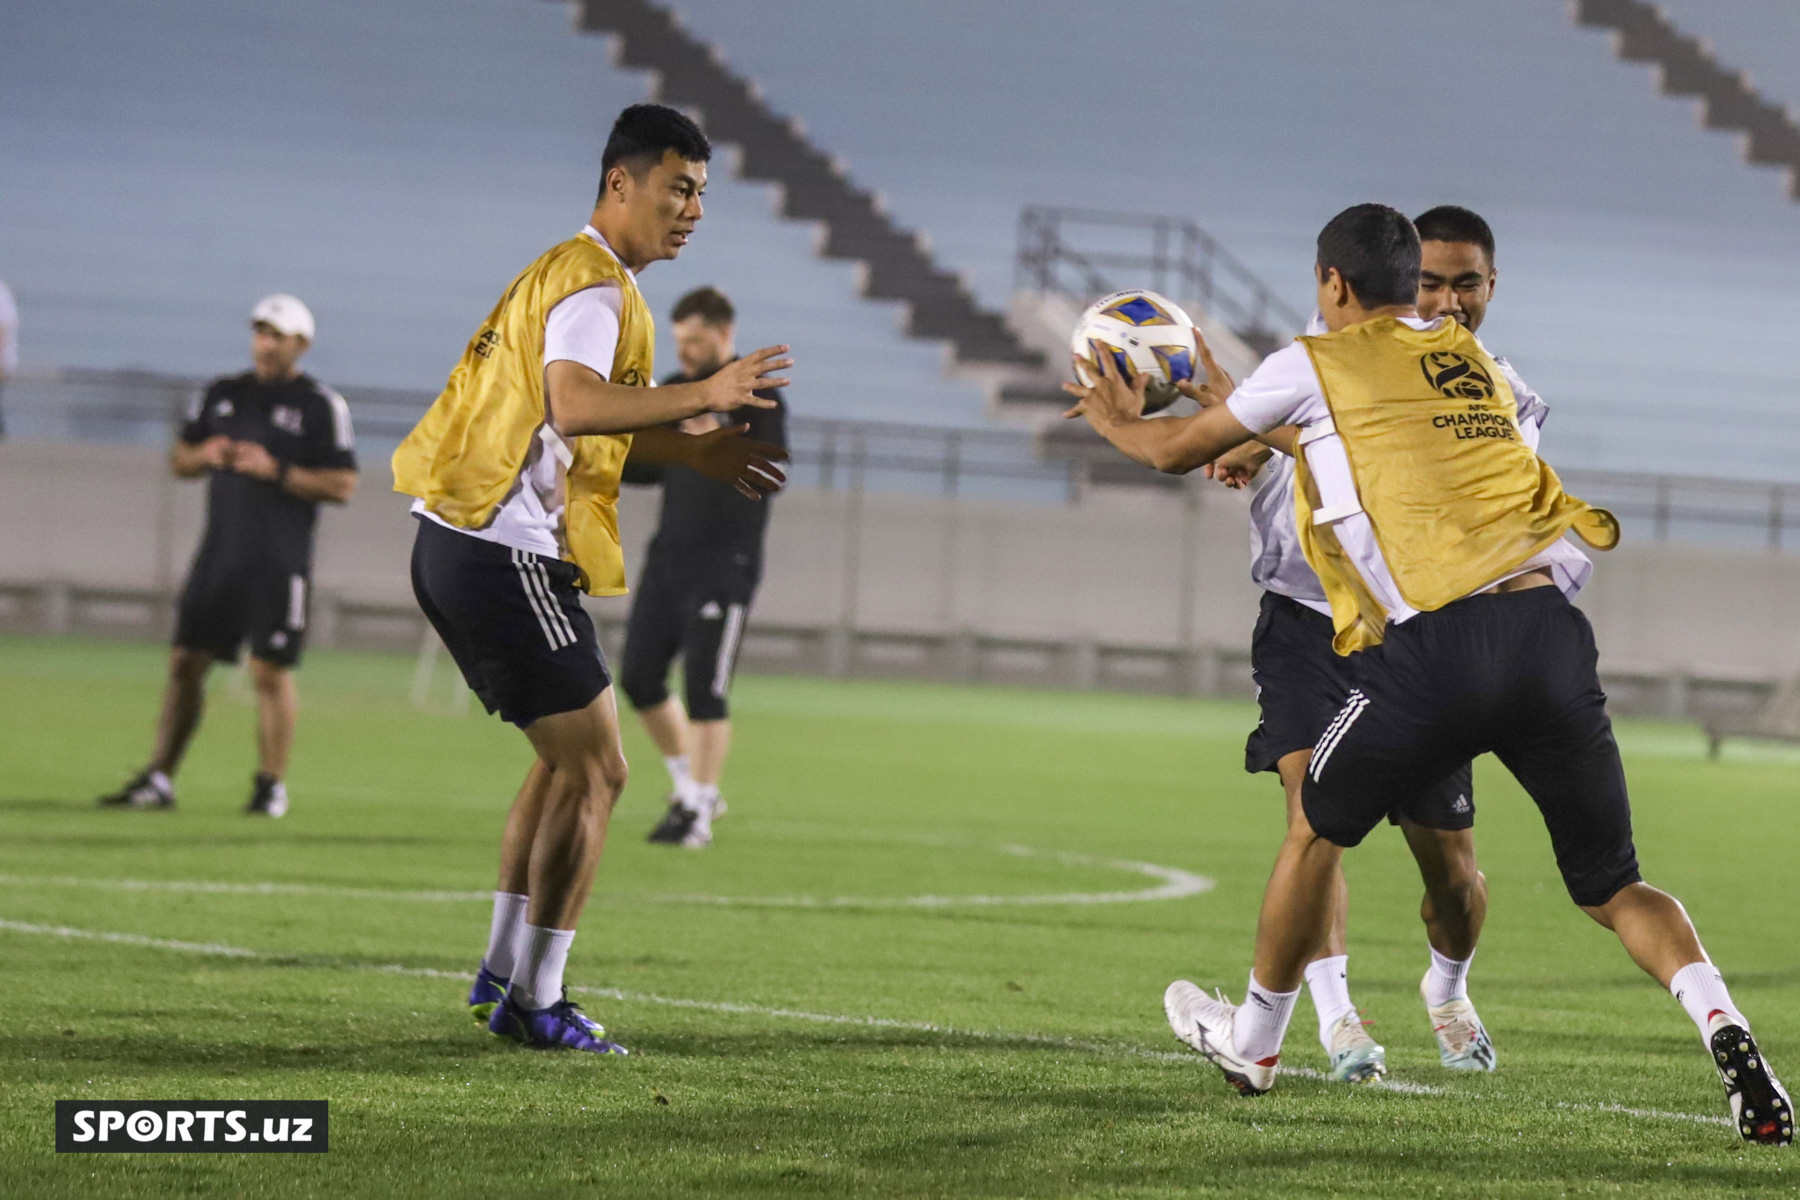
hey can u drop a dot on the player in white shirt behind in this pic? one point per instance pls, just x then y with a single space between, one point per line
1301 685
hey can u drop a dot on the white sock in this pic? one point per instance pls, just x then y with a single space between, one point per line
1262 1021
681 775
162 783
1328 981
537 980
1701 990
1447 980
503 933
704 798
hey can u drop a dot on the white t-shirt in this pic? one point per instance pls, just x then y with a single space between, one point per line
1285 390
583 327
9 332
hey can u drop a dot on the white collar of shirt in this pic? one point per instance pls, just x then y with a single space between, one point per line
1316 327
590 231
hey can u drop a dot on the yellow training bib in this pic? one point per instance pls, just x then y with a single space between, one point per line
1456 498
464 456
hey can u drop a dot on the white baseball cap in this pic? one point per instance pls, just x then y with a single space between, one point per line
285 314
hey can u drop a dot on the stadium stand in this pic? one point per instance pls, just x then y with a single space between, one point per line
815 186
1686 67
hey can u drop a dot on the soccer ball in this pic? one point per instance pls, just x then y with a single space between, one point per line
1146 334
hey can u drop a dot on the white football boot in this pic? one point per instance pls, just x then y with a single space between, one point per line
1205 1023
1355 1056
1463 1042
698 834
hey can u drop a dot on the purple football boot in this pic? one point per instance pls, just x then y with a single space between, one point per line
562 1026
486 995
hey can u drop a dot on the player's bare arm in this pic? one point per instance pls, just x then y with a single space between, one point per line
1174 445
581 402
723 454
1236 468
1216 390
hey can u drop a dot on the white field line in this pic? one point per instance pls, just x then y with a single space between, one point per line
1174 884
210 887
130 939
791 1014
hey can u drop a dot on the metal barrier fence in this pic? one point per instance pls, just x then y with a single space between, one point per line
143 408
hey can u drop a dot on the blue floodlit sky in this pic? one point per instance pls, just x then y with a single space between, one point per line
394 162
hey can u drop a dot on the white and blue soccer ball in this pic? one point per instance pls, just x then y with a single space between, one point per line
1146 334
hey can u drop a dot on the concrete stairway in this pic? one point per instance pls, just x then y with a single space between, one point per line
691 75
1641 33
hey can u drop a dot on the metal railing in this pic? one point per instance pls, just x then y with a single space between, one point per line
1072 252
145 408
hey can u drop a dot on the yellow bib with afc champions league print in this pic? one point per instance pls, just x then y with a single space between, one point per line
464 457
1456 498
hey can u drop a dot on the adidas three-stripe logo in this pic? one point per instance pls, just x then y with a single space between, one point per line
1334 733
550 616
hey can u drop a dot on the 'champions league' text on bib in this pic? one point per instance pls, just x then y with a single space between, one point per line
1455 497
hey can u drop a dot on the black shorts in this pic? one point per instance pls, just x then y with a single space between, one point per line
1302 683
1514 674
693 607
224 604
512 620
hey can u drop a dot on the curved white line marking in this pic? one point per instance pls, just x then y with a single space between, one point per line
1173 884
790 1014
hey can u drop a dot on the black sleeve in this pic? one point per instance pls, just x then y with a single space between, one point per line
641 473
330 441
199 423
769 424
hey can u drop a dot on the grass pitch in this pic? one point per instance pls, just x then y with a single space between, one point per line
801 1026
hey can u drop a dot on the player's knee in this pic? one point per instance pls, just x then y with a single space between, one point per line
644 686
189 666
1456 893
1462 879
268 678
610 775
1606 902
704 706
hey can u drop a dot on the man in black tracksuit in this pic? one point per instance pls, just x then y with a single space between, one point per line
273 444
694 594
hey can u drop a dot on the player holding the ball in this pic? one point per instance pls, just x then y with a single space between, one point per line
1142 333
1301 685
1439 537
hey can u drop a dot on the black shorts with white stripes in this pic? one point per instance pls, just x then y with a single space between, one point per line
1514 674
512 620
694 605
226 603
1301 685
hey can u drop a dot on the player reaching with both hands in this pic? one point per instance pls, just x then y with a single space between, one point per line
515 470
1438 535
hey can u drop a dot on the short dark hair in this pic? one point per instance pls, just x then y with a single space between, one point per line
644 132
709 304
1376 251
1450 223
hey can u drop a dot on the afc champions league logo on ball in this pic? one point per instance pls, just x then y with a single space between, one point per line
1457 375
